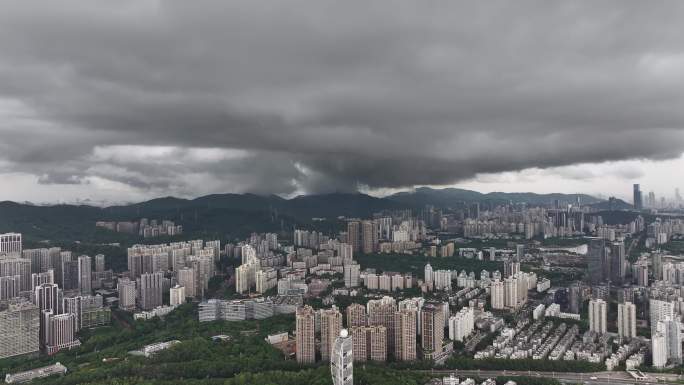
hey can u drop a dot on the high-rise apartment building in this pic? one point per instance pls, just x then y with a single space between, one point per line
88 311
342 359
245 276
511 268
150 290
100 263
659 310
359 343
405 334
70 275
461 324
369 237
671 329
85 275
377 343
626 320
596 256
429 275
10 243
10 267
331 324
127 294
351 275
186 278
356 315
19 329
9 287
305 329
177 295
38 279
598 313
381 313
432 335
659 350
497 295
59 332
354 235
48 296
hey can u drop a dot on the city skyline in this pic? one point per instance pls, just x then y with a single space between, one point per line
147 101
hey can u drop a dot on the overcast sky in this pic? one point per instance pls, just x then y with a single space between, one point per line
125 100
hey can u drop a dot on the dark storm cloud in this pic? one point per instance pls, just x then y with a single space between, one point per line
323 96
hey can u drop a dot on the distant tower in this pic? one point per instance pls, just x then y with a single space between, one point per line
638 203
342 360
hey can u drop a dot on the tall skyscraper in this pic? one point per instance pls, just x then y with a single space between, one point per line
356 315
596 255
369 237
150 290
626 320
19 329
10 243
331 324
405 334
637 197
617 257
598 313
305 327
433 330
85 275
342 360
354 235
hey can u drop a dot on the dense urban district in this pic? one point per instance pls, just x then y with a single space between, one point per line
458 292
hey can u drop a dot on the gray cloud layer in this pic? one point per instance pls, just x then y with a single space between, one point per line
321 96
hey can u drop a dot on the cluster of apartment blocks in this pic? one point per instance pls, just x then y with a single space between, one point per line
407 330
35 312
193 264
144 227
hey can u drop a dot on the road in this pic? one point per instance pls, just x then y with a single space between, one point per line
601 378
